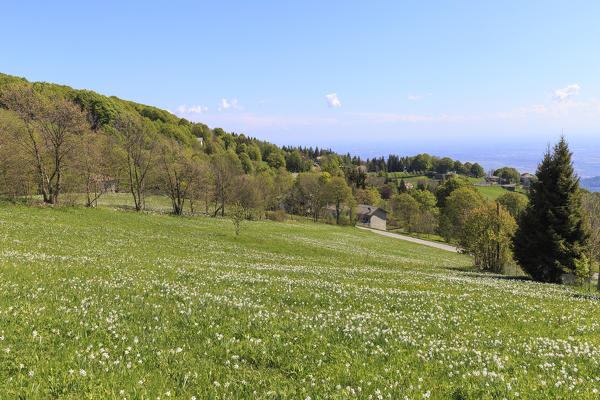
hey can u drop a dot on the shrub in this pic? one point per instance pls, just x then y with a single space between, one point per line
330 219
344 220
279 215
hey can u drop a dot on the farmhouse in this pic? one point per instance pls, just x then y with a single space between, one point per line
492 179
371 216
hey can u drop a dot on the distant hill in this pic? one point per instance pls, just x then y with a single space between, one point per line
591 184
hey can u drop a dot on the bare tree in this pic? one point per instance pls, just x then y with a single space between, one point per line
60 124
202 187
138 142
179 173
16 172
225 167
95 166
591 206
25 102
51 128
312 187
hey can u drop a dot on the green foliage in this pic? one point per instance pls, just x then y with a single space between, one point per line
591 207
338 193
552 233
477 170
293 162
276 160
103 110
487 235
155 114
254 152
403 208
508 175
444 165
443 191
277 215
238 215
514 203
330 163
426 199
422 162
459 168
246 163
458 206
582 269
367 196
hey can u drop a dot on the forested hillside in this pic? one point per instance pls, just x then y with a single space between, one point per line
58 144
58 140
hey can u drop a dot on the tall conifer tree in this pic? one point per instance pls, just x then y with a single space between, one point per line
552 236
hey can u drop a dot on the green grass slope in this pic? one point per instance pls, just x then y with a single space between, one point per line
112 304
491 193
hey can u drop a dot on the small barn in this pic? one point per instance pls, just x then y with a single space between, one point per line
371 216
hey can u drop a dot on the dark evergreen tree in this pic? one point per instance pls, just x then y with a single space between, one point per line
402 186
552 237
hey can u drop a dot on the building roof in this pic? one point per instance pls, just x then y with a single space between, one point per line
526 175
364 209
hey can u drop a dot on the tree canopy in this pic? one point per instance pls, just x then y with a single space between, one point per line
552 237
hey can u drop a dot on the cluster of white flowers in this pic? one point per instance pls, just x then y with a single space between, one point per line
320 316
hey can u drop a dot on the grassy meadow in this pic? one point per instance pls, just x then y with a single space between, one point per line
491 193
115 305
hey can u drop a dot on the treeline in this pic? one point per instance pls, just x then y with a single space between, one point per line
58 143
423 162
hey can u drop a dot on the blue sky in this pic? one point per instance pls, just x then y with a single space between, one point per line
448 78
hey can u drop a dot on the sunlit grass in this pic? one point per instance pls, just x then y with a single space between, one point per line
114 304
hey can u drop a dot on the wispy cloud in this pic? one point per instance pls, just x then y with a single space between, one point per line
418 96
183 109
389 117
226 105
566 93
332 100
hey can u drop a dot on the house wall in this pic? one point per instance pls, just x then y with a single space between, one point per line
378 220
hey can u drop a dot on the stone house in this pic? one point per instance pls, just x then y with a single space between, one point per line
371 216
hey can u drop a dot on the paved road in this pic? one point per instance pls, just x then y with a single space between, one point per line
411 239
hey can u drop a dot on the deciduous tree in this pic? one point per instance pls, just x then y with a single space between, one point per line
138 141
225 168
487 235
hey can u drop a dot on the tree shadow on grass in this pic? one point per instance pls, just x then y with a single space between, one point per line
475 273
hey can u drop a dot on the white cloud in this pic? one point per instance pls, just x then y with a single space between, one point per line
566 93
539 108
197 109
418 96
183 109
332 100
226 105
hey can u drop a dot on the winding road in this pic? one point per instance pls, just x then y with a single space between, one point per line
411 239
